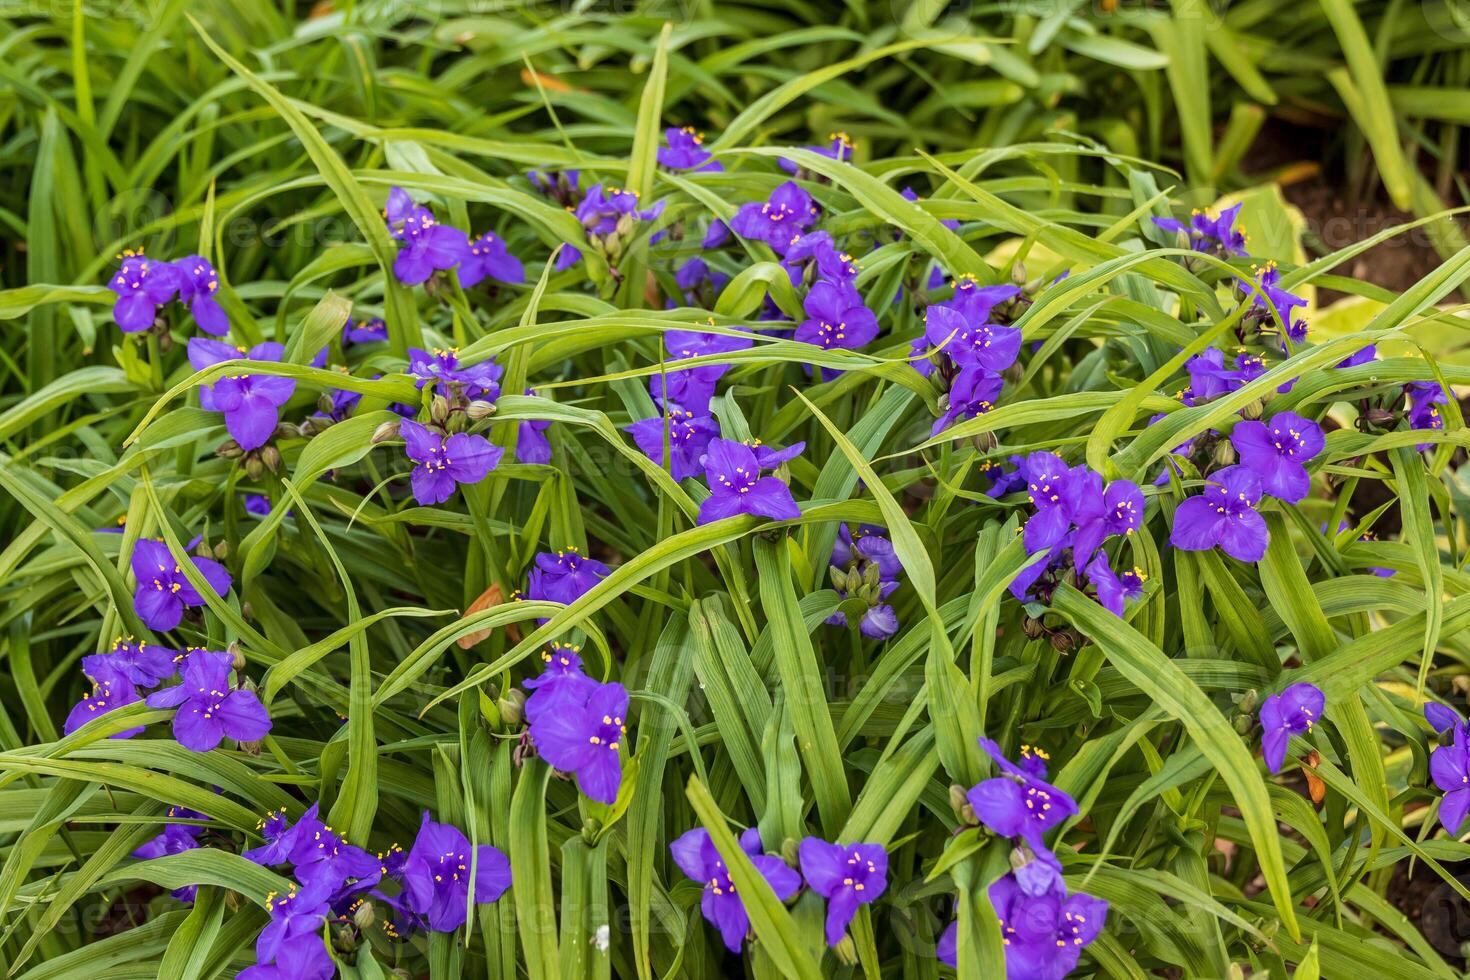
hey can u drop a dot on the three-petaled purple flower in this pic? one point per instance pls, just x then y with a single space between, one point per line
1292 712
1113 589
443 463
488 257
442 368
163 590
846 875
425 245
1044 934
685 151
1449 767
1425 397
175 839
986 345
437 875
142 285
696 856
110 691
584 739
1224 515
251 403
1209 234
208 710
198 284
836 317
1019 802
733 471
561 680
1276 451
564 576
789 211
1100 512
688 438
290 947
144 664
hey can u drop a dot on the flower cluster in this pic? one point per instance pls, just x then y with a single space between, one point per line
1216 235
1044 928
966 349
145 285
864 566
1074 513
426 246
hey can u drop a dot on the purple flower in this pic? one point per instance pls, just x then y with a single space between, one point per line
986 345
603 210
142 664
688 439
321 856
257 505
1224 515
532 445
281 836
1441 717
373 331
1277 304
1209 377
975 302
163 592
445 463
437 875
839 147
1449 766
696 856
777 221
870 544
1363 356
1292 712
208 711
142 286
815 250
561 681
846 875
972 393
1019 802
1005 477
441 367
1100 513
1275 452
1425 397
251 403
426 246
110 691
198 283
290 947
1112 589
175 839
488 257
736 486
1050 486
564 576
716 235
1208 234
836 317
1044 934
947 950
692 388
685 151
583 739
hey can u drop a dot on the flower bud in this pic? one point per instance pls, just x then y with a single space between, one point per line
271 457
846 951
791 852
456 422
203 550
1033 628
512 706
237 655
1381 417
838 576
285 430
438 409
1224 454
1062 641
221 551
364 915
1018 273
344 940
229 449
959 802
254 468
324 404
478 410
315 424
1255 409
388 430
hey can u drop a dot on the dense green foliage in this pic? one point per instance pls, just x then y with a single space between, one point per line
380 633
